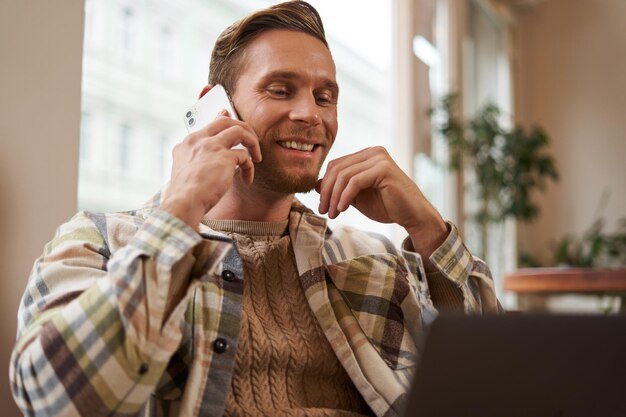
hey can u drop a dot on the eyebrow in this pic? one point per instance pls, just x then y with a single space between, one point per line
290 75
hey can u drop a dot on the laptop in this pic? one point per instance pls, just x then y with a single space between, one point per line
522 365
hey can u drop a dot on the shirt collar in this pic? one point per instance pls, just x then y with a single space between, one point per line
154 202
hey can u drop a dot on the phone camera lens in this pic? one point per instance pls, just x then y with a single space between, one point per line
188 114
191 121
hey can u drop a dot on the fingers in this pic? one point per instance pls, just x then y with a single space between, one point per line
246 167
357 183
205 90
341 181
236 135
357 179
334 168
229 133
349 183
221 122
339 173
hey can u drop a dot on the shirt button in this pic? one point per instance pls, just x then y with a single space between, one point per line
228 275
143 369
220 345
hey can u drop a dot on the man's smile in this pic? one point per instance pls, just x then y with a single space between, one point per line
300 146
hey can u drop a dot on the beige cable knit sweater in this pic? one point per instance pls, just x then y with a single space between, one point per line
284 364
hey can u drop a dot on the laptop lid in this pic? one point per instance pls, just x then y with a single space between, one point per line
522 365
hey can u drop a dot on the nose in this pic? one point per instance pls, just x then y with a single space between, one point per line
305 110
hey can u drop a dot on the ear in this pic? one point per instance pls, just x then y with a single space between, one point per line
205 90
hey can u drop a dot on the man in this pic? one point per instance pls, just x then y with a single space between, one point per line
225 296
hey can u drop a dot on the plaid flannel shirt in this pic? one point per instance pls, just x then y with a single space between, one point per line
95 339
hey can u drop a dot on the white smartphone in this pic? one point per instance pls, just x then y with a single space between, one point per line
207 108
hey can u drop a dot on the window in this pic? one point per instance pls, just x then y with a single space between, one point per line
89 21
166 49
127 32
163 158
432 48
487 79
85 137
460 47
124 156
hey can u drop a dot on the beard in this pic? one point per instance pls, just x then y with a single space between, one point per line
273 175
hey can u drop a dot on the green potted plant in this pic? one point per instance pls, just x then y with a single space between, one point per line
508 164
593 264
595 249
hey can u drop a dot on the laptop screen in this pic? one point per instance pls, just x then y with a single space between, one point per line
522 365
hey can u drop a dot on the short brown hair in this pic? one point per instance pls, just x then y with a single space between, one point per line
227 58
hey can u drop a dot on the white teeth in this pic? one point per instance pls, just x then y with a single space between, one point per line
307 147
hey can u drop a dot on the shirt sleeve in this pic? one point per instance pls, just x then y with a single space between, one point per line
96 330
469 274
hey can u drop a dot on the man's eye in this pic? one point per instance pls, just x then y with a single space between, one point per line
278 92
325 99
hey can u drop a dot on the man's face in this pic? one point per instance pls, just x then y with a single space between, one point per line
288 93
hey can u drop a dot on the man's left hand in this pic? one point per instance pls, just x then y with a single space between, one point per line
374 184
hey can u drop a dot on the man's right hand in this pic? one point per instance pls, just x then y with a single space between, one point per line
204 167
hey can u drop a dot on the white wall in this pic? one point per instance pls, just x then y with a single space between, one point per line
41 53
571 81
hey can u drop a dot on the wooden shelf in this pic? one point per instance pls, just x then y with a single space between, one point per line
566 280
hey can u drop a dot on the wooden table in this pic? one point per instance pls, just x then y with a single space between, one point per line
532 283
